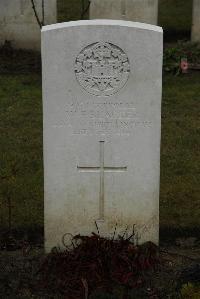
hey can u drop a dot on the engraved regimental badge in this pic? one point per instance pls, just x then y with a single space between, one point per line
102 68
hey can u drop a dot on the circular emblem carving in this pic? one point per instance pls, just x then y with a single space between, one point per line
102 69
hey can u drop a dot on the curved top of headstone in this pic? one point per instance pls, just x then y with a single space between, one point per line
102 22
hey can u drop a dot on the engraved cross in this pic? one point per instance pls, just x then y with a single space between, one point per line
101 169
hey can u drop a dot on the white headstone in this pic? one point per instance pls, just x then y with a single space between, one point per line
102 121
18 23
145 11
196 21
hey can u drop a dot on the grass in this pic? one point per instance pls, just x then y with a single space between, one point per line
179 196
21 150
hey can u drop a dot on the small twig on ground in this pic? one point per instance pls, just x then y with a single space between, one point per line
125 232
97 228
85 284
114 231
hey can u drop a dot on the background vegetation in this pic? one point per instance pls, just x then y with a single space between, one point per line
175 16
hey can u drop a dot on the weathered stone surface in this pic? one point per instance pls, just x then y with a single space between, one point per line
196 21
107 9
102 116
18 23
145 11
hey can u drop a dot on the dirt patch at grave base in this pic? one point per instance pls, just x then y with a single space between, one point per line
29 273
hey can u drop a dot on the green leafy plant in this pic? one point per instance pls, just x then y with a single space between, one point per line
173 55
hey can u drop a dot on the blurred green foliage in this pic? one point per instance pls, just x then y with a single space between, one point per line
173 54
175 16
